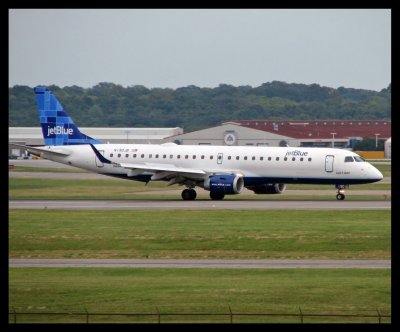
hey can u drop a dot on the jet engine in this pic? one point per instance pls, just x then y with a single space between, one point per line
224 184
270 188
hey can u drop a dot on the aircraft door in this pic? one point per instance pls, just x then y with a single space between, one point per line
329 163
97 161
220 157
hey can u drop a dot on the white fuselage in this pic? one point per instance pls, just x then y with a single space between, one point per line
257 165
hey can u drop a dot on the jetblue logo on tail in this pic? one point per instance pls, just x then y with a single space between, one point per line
57 127
59 130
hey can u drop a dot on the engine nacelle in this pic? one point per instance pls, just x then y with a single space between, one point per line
270 188
224 184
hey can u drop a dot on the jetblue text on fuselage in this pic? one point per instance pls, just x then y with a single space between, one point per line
297 153
59 130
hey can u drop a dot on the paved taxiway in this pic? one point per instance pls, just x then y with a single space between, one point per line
198 205
202 263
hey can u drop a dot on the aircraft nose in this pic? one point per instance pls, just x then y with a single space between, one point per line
376 174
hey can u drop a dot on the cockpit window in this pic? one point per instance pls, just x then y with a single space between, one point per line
348 159
359 159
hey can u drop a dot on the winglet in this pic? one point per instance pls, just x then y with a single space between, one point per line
100 156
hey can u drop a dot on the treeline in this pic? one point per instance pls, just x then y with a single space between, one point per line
192 108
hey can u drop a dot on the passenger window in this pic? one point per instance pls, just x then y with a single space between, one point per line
164 156
285 158
171 156
348 159
111 154
202 157
156 156
194 156
127 155
261 158
245 158
253 158
293 159
229 157
178 156
269 158
142 156
277 158
134 156
150 155
211 157
237 157
301 159
119 155
309 159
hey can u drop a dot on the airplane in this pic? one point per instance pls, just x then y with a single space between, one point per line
222 170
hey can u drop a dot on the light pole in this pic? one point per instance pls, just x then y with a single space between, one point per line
376 140
333 139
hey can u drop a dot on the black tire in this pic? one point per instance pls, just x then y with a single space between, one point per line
340 197
216 196
193 193
189 194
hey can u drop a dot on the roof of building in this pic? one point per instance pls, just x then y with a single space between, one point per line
322 129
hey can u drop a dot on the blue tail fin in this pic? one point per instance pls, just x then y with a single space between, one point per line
57 127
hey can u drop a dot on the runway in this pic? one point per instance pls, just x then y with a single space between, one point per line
204 263
198 205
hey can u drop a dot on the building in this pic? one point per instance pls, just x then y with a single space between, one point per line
296 133
310 133
34 136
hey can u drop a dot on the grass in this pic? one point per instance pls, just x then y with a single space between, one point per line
200 234
34 188
35 169
356 291
28 188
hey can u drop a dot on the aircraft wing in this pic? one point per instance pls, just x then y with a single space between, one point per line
162 167
160 171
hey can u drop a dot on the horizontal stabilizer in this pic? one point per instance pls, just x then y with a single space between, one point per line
56 150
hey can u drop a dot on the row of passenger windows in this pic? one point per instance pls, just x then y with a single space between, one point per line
171 156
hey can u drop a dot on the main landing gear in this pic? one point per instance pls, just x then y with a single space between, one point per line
189 194
340 192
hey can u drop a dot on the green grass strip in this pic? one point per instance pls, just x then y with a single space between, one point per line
200 234
356 291
34 188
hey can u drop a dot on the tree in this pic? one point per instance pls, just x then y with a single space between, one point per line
369 144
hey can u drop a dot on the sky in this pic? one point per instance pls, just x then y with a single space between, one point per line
172 48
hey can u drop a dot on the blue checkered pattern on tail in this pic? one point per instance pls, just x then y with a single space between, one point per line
57 127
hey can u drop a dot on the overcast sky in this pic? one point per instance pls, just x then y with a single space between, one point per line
174 48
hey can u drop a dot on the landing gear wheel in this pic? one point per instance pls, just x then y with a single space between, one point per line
216 196
340 197
189 194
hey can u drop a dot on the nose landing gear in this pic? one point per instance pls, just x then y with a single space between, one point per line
340 191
